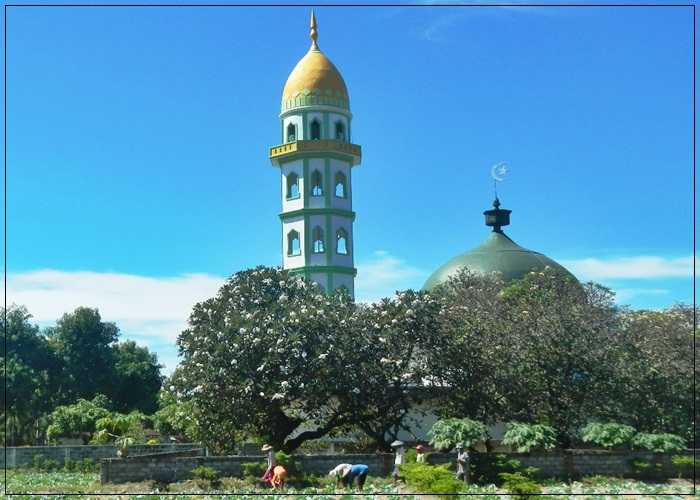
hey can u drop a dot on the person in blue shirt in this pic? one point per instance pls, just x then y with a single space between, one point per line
358 471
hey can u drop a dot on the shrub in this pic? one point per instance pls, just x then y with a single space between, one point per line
486 468
38 462
87 465
647 470
610 435
659 443
431 479
519 486
70 465
684 464
448 433
205 476
527 437
152 442
254 469
410 456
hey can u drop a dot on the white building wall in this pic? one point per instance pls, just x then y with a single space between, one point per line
296 223
317 164
317 259
337 259
321 279
296 120
286 169
344 167
346 280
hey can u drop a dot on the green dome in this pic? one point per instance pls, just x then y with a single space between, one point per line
497 254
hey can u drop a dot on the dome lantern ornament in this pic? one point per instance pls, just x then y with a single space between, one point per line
497 218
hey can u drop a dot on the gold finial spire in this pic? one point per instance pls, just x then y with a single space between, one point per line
314 32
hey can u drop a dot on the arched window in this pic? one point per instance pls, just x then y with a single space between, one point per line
341 189
315 129
293 243
316 184
340 131
318 246
341 245
292 186
291 132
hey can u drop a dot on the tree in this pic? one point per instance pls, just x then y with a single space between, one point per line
85 345
138 378
32 375
539 349
655 370
260 358
388 353
78 419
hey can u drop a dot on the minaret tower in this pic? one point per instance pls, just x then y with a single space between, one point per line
315 159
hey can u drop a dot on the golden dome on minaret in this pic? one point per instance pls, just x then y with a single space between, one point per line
314 80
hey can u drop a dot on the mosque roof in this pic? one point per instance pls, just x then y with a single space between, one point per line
315 80
498 253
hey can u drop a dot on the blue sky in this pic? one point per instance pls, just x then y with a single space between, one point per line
137 165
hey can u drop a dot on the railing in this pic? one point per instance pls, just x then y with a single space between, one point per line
317 146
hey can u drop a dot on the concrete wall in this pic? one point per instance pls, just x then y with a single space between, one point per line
573 464
563 463
170 467
24 455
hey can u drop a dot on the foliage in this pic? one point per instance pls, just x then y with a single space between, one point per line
410 456
448 433
78 419
431 479
76 359
538 347
653 389
40 463
280 348
123 443
608 435
152 442
115 425
685 465
485 467
519 486
527 437
660 443
206 476
137 378
32 374
253 470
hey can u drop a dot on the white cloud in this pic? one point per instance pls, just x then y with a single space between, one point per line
383 274
622 295
644 267
150 310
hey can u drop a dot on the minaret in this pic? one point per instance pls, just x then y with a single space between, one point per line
315 161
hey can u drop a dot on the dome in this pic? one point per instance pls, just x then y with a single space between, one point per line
315 80
497 254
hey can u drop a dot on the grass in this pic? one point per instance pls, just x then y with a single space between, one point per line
30 483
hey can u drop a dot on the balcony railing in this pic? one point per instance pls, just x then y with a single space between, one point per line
316 146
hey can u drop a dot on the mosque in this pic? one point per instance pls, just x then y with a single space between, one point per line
316 159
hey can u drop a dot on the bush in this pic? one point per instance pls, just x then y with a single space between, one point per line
431 479
684 464
486 468
205 476
70 465
152 442
448 433
527 437
254 469
519 486
647 470
659 443
39 463
87 465
410 456
610 435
